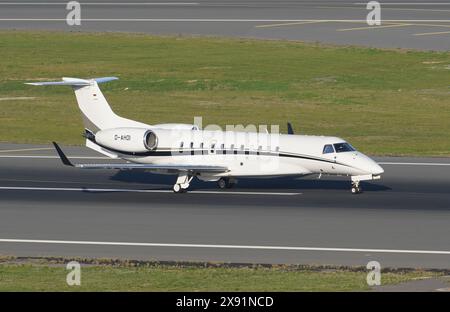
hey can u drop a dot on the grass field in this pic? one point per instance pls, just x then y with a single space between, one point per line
384 102
52 277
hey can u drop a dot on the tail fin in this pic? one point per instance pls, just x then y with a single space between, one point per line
96 112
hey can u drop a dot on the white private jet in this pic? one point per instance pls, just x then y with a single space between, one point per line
210 155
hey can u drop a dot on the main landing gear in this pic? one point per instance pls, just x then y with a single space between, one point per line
182 183
224 183
356 187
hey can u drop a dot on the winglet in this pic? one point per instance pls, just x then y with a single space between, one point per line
61 155
290 129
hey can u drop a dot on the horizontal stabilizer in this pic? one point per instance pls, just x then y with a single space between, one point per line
66 81
105 79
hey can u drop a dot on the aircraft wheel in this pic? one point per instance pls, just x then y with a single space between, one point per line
222 183
177 188
356 189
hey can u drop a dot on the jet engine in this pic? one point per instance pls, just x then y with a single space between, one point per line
133 140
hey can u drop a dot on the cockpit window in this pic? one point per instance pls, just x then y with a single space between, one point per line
343 147
328 149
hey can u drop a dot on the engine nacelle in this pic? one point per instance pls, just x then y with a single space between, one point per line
133 140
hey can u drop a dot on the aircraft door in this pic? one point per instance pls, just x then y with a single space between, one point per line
329 154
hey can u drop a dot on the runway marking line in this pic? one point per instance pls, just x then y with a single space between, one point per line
433 33
392 25
387 9
26 150
432 25
413 164
407 3
102 3
289 24
417 10
55 157
222 20
254 247
374 27
69 182
80 189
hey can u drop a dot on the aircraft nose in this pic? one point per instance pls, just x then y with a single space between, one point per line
371 166
377 169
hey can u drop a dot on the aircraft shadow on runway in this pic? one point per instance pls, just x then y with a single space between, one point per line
281 183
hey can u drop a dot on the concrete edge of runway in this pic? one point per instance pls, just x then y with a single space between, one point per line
102 261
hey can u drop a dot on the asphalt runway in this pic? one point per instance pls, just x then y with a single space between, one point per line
47 209
405 23
401 221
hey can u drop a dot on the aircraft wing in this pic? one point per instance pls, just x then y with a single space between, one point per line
194 168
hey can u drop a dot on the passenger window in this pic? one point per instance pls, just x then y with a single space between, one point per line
181 148
328 149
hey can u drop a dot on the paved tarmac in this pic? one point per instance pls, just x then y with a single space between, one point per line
405 24
402 220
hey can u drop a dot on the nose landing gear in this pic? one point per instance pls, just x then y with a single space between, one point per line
180 188
356 187
182 183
